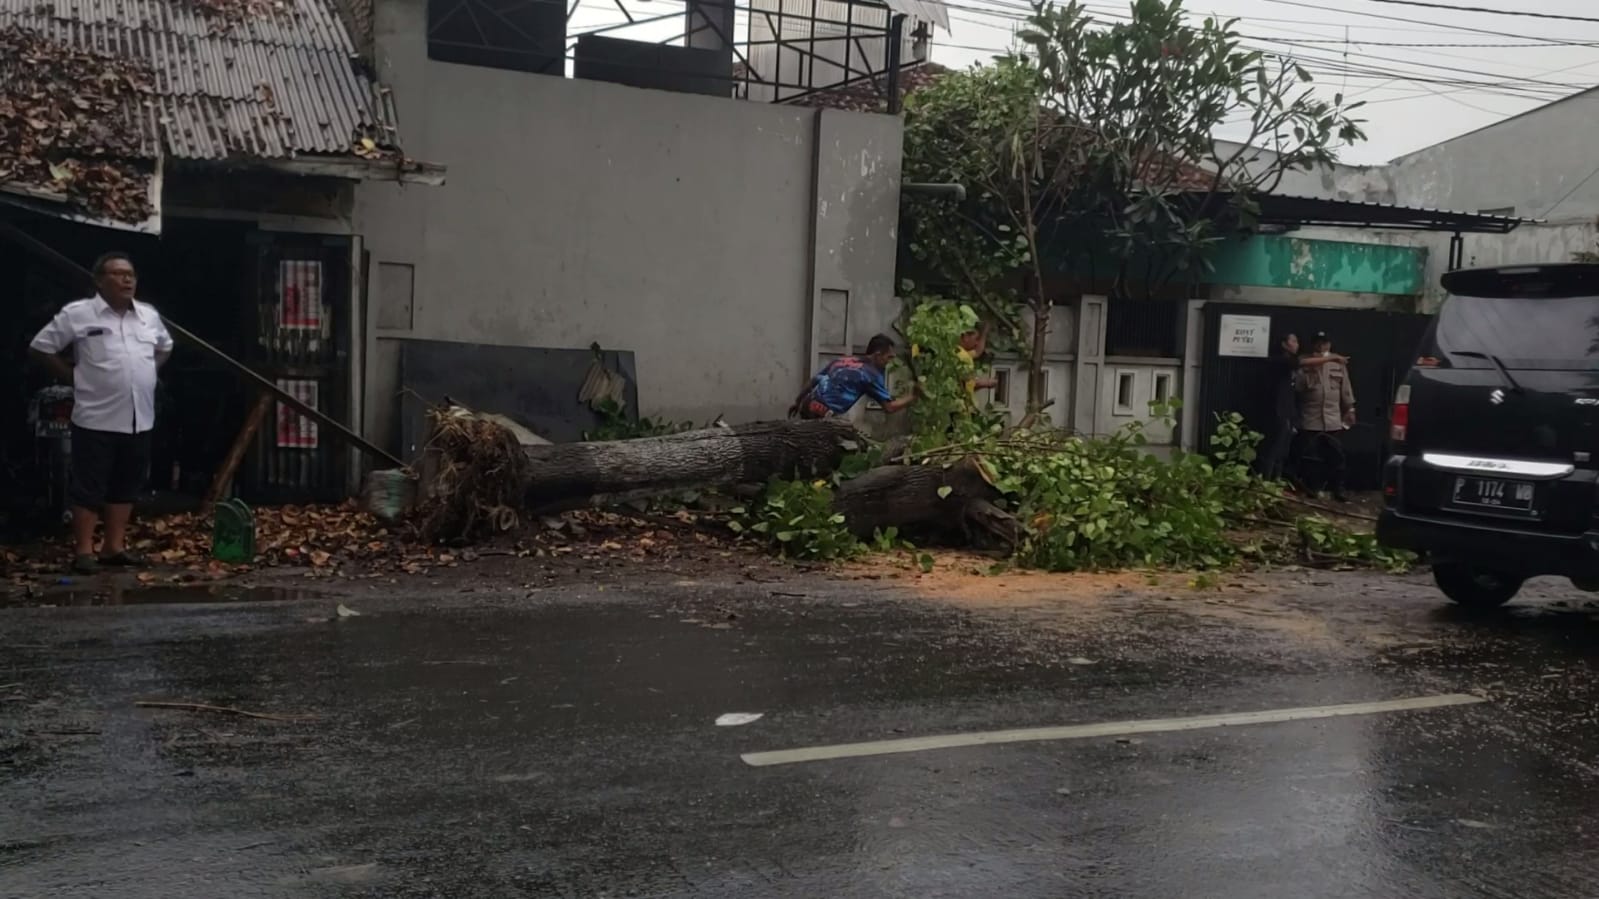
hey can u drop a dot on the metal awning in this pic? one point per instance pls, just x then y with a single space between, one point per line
1308 212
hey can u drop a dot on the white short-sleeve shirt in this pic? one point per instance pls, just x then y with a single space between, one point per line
114 375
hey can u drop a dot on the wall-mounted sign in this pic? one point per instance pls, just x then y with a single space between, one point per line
1245 335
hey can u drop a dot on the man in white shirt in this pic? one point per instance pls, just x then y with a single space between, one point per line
117 344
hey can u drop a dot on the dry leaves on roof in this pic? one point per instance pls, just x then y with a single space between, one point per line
370 143
66 128
223 13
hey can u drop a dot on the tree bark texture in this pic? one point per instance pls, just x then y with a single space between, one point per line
1037 386
486 481
571 475
909 496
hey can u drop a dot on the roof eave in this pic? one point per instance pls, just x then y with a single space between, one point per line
55 204
1286 209
404 171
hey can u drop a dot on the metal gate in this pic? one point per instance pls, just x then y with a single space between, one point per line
1381 347
302 327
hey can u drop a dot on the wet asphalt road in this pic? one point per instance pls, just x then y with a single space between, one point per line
564 744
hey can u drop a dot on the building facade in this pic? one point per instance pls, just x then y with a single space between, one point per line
701 234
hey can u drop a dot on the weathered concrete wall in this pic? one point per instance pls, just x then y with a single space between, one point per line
1324 299
695 231
1302 263
856 223
1531 243
1534 163
1357 183
1538 165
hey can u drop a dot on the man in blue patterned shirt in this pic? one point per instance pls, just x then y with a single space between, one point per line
838 387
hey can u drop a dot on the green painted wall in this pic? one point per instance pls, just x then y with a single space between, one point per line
1271 260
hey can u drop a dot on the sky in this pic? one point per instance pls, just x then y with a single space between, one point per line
1426 74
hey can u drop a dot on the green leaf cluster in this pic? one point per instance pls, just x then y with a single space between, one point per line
615 425
1323 539
1110 503
797 519
946 407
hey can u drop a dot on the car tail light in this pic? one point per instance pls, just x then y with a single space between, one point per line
1399 419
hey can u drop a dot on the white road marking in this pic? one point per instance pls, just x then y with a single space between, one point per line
1106 729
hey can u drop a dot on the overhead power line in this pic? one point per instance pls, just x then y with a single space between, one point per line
1224 16
1327 61
1465 28
1534 84
1431 65
1495 12
1357 42
1350 40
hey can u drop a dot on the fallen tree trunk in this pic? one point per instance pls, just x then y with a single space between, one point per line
955 498
485 480
567 475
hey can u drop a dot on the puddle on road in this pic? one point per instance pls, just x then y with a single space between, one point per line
163 594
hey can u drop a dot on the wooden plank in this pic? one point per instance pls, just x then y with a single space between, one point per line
241 445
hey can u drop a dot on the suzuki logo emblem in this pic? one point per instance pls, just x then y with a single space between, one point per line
1497 397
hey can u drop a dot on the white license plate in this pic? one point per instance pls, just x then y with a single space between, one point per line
1495 494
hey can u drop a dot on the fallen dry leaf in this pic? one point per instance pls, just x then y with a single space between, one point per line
56 133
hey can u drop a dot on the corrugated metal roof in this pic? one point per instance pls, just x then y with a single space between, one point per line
274 83
1292 209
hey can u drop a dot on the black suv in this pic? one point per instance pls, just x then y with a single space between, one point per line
1495 434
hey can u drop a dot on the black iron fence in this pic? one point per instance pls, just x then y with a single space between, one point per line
301 323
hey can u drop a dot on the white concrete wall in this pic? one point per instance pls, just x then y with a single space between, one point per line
694 231
1012 395
1128 388
1358 183
1539 165
1535 163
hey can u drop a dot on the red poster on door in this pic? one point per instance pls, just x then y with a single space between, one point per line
295 431
300 295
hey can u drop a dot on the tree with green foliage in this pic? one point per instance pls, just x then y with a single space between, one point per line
946 376
986 130
1094 151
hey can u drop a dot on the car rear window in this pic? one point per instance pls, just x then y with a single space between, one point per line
1556 333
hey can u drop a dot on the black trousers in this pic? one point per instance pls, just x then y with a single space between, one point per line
1273 461
1323 452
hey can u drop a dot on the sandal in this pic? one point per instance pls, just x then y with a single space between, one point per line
85 565
125 559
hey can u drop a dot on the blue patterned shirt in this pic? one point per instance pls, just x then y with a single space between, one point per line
839 386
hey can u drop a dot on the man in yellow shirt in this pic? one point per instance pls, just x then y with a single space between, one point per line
973 345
